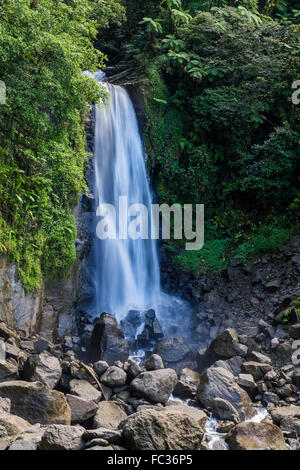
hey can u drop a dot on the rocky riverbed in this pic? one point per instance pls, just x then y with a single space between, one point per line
51 400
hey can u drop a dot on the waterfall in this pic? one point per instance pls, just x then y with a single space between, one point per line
126 272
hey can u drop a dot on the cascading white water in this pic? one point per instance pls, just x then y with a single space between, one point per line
126 272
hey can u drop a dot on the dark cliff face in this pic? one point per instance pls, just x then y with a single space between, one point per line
136 93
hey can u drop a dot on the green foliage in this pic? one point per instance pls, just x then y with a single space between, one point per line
285 10
267 238
287 314
221 128
216 253
44 47
212 257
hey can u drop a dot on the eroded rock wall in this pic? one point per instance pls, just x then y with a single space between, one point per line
17 309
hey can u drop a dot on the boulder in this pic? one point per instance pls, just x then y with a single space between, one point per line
172 350
12 425
272 286
60 437
247 383
133 368
12 351
227 344
154 362
296 377
285 391
106 448
255 436
188 383
114 377
216 382
259 357
81 371
5 405
81 409
294 331
108 342
290 425
6 333
29 439
8 371
224 410
85 390
270 397
283 351
152 331
4 443
112 436
43 368
35 403
256 369
100 367
155 386
233 365
280 413
96 443
198 415
224 351
109 415
132 323
161 430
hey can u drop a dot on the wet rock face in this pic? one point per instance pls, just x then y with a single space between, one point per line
131 323
108 342
152 332
166 430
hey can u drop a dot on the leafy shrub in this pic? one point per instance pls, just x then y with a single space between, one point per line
44 47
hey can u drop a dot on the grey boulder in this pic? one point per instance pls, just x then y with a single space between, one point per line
155 386
59 437
216 382
43 368
161 430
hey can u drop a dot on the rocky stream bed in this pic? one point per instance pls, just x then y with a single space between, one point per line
233 399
